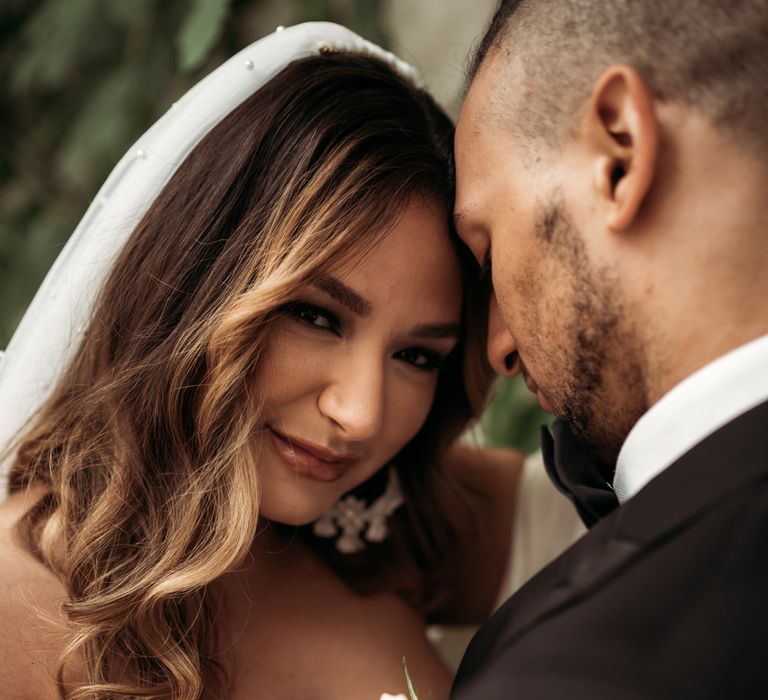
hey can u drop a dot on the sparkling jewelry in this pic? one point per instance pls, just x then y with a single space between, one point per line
350 516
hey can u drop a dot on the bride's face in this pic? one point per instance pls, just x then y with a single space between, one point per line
351 367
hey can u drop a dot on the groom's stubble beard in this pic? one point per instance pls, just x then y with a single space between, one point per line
597 384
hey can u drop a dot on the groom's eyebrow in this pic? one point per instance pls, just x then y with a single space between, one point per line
458 217
344 295
462 219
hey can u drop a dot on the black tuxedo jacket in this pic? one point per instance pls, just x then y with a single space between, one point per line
667 597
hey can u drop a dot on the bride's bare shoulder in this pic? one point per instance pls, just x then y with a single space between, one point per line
375 636
318 639
31 634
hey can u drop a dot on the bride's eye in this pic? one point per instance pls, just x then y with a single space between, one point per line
313 316
421 358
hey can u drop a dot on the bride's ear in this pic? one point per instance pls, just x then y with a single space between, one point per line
623 136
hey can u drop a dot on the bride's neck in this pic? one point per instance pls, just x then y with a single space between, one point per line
278 554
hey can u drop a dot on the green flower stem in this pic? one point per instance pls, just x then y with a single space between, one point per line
411 690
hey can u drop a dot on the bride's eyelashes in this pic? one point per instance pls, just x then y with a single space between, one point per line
313 316
323 320
421 359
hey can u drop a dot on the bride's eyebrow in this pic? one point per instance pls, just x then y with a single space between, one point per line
344 295
436 331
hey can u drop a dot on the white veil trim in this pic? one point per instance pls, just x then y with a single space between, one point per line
49 333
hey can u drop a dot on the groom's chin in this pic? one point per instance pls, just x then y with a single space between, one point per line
600 439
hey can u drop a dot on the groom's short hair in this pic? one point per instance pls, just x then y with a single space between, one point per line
709 54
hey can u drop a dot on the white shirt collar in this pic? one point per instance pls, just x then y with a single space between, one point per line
698 406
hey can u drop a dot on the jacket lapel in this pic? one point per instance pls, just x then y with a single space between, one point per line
723 463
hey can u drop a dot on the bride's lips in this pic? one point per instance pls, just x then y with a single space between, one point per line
312 461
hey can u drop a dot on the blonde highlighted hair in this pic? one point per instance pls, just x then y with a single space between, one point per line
146 446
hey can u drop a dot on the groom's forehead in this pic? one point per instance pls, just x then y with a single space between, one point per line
498 86
482 93
486 130
487 152
477 123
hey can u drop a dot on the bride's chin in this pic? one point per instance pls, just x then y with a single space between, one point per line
292 514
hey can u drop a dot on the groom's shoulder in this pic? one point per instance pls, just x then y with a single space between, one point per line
683 612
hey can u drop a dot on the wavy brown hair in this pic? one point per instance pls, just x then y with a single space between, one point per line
146 446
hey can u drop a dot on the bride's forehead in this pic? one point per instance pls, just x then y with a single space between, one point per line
415 260
419 232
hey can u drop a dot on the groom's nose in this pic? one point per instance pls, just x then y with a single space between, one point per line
502 349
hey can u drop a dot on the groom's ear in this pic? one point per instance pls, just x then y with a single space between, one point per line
623 136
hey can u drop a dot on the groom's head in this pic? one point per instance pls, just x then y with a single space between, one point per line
610 160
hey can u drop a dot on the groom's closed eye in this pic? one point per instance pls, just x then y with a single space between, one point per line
485 269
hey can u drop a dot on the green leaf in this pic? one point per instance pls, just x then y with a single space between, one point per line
52 44
103 124
199 32
411 690
314 10
364 17
125 12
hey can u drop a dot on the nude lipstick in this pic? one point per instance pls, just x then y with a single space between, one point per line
311 461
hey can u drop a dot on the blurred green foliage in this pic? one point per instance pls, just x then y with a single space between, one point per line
80 80
513 417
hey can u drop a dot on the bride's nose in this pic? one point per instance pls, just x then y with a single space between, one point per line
354 399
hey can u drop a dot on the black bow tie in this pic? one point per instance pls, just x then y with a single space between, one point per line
576 474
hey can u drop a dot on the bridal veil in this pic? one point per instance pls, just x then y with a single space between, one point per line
53 325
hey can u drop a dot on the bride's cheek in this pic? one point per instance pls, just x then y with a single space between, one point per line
409 411
290 366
